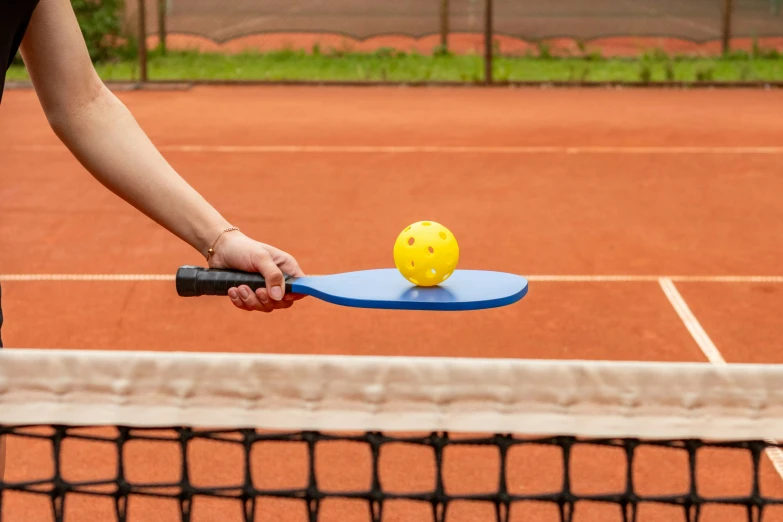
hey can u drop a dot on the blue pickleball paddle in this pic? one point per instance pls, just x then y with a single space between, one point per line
382 288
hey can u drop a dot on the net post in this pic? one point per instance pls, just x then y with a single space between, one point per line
162 26
488 48
728 12
142 40
444 25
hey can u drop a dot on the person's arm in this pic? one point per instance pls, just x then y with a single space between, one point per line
103 135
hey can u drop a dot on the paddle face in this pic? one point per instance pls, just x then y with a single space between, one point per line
382 288
386 288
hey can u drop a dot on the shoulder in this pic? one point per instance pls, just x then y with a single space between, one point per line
14 13
14 18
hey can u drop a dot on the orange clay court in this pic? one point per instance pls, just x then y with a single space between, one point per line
649 224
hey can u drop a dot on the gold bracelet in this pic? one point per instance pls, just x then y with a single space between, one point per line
212 248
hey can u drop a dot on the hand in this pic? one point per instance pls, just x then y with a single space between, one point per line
236 251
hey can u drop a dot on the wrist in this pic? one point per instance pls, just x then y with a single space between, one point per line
216 240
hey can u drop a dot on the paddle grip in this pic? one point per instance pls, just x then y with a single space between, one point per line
194 281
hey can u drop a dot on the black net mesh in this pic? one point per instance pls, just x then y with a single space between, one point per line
694 20
223 21
757 18
182 474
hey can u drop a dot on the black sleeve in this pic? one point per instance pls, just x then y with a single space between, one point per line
14 18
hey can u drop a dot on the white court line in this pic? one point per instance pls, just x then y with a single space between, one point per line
437 149
691 323
538 278
534 278
708 348
85 277
654 278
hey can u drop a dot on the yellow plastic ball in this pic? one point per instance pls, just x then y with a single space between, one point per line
426 253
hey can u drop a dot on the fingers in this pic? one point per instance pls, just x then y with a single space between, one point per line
269 304
245 299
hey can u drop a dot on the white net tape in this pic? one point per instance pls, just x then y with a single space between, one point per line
581 398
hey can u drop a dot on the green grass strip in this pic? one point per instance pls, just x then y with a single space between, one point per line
389 65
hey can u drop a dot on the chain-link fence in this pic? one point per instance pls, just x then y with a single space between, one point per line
483 29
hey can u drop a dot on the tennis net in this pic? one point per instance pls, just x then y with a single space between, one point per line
144 436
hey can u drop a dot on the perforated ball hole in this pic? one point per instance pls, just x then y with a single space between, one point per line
431 250
411 241
431 273
426 223
442 235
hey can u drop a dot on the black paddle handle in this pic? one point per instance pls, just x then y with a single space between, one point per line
194 281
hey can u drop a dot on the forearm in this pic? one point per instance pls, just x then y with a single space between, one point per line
103 135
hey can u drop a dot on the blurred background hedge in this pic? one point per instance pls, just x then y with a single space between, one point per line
103 28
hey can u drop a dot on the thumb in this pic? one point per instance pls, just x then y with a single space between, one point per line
263 263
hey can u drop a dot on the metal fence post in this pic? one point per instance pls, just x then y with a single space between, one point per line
488 44
444 25
142 43
728 8
162 26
